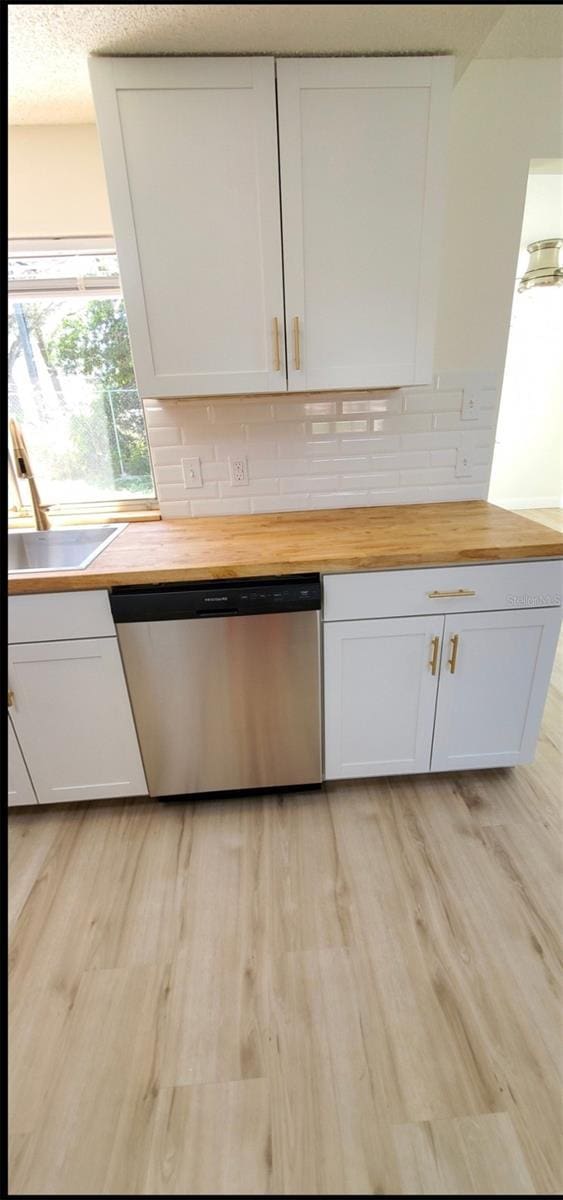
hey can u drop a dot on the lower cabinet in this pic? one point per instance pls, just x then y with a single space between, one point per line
20 787
493 683
442 693
381 681
72 717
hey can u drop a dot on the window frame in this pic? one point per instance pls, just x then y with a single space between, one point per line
93 288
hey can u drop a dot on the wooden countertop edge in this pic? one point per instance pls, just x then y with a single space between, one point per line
327 541
60 582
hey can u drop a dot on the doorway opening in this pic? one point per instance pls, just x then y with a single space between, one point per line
527 470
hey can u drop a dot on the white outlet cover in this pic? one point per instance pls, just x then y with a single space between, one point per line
191 469
464 463
238 469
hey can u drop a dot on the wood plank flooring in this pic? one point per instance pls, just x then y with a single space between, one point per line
353 991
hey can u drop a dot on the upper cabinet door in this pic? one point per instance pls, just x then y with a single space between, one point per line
191 159
362 159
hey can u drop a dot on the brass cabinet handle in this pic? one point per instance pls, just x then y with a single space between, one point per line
277 348
296 344
445 595
452 660
434 649
10 697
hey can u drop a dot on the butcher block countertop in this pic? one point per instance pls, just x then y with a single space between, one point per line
331 540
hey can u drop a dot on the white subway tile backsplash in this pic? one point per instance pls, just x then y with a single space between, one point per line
408 423
163 456
449 420
174 508
268 468
460 491
329 427
211 471
428 476
371 482
391 404
167 435
443 458
340 499
431 441
374 444
203 450
306 410
255 487
401 495
309 483
431 402
245 412
219 508
157 415
324 450
281 503
398 462
169 474
177 491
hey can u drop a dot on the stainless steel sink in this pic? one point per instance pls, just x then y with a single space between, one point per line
58 549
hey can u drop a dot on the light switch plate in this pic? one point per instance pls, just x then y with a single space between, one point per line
191 468
464 463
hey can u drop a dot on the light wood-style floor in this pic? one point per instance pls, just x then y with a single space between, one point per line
349 991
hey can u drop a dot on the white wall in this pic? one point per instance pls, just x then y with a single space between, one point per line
527 467
56 183
504 113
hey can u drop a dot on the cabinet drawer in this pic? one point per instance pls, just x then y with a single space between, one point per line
58 616
368 594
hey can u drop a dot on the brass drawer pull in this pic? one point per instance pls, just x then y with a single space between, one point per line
450 595
452 660
434 650
10 697
276 339
296 344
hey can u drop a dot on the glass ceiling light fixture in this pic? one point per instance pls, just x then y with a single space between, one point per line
545 266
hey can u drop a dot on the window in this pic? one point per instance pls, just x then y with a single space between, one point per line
70 379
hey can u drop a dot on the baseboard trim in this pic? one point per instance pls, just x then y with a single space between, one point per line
526 502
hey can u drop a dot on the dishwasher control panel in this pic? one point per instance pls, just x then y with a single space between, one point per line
220 598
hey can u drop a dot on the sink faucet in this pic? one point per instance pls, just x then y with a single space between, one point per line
24 470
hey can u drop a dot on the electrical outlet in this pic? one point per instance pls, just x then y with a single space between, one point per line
470 405
464 464
191 468
238 468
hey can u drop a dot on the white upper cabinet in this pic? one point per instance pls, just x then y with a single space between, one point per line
362 162
191 159
191 147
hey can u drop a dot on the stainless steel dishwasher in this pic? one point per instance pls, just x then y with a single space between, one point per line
224 681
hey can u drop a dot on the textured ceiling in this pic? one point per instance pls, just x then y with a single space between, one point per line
49 43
